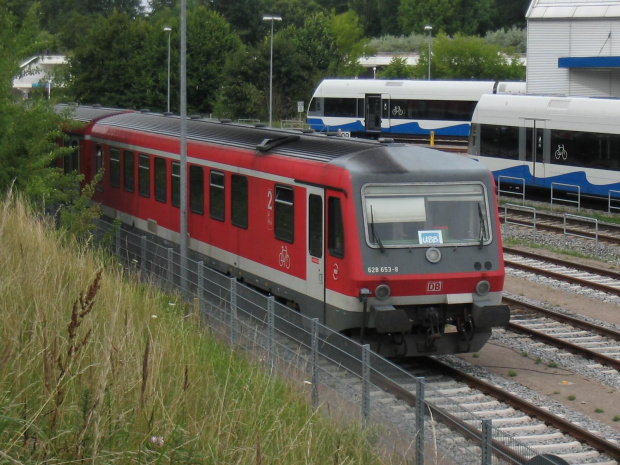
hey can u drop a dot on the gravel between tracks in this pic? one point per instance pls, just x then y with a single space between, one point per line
581 391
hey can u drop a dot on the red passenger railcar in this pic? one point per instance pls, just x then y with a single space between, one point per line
398 243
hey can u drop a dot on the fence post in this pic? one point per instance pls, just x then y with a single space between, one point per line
143 254
200 277
365 384
314 343
170 273
233 310
487 442
419 420
271 329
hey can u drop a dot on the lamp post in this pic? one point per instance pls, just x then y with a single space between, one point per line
271 18
374 72
168 30
429 28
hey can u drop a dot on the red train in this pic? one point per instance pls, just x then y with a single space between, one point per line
394 244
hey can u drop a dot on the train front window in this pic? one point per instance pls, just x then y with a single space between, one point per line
422 215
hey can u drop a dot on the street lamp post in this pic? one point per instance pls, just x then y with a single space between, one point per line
429 28
168 30
271 18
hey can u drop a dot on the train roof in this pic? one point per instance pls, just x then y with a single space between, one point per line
414 89
552 112
357 155
86 113
317 147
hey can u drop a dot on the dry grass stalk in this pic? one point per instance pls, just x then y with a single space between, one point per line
145 370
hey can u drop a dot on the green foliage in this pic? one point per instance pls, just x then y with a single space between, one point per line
466 57
511 40
389 43
349 40
448 16
397 69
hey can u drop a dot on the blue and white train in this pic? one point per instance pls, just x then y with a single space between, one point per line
570 142
389 108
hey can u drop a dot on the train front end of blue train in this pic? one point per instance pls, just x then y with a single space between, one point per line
377 107
568 144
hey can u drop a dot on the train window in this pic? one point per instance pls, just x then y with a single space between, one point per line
161 179
129 171
284 214
340 107
239 201
315 225
115 167
196 189
99 166
70 162
217 196
335 228
175 183
144 175
499 141
426 214
585 149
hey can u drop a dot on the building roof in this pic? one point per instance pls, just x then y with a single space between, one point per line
573 9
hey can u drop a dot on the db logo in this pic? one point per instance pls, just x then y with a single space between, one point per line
434 286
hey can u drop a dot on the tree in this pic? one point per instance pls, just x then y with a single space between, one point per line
398 69
350 42
449 16
465 57
107 65
30 129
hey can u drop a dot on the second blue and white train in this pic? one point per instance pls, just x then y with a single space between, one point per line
571 144
400 108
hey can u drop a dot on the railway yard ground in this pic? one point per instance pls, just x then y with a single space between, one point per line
544 373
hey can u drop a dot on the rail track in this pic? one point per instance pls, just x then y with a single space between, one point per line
600 279
525 422
604 232
580 337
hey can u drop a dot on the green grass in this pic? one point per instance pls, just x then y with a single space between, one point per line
97 366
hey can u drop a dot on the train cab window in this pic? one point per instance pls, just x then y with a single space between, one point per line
161 179
115 167
144 175
315 225
284 214
239 201
129 171
403 216
196 189
335 228
175 184
217 197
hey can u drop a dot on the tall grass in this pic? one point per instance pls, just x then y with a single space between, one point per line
99 368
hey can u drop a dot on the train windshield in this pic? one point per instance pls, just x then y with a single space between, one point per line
423 215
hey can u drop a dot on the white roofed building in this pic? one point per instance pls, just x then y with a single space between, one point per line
37 71
573 47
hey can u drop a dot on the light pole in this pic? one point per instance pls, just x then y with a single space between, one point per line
271 18
374 72
168 30
429 28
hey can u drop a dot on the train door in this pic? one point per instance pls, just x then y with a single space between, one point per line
373 113
535 146
315 259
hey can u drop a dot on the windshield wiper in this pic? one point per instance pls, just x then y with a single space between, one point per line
375 237
483 229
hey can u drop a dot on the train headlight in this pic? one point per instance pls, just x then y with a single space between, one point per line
483 288
433 255
382 291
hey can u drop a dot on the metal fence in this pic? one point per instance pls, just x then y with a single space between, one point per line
338 375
